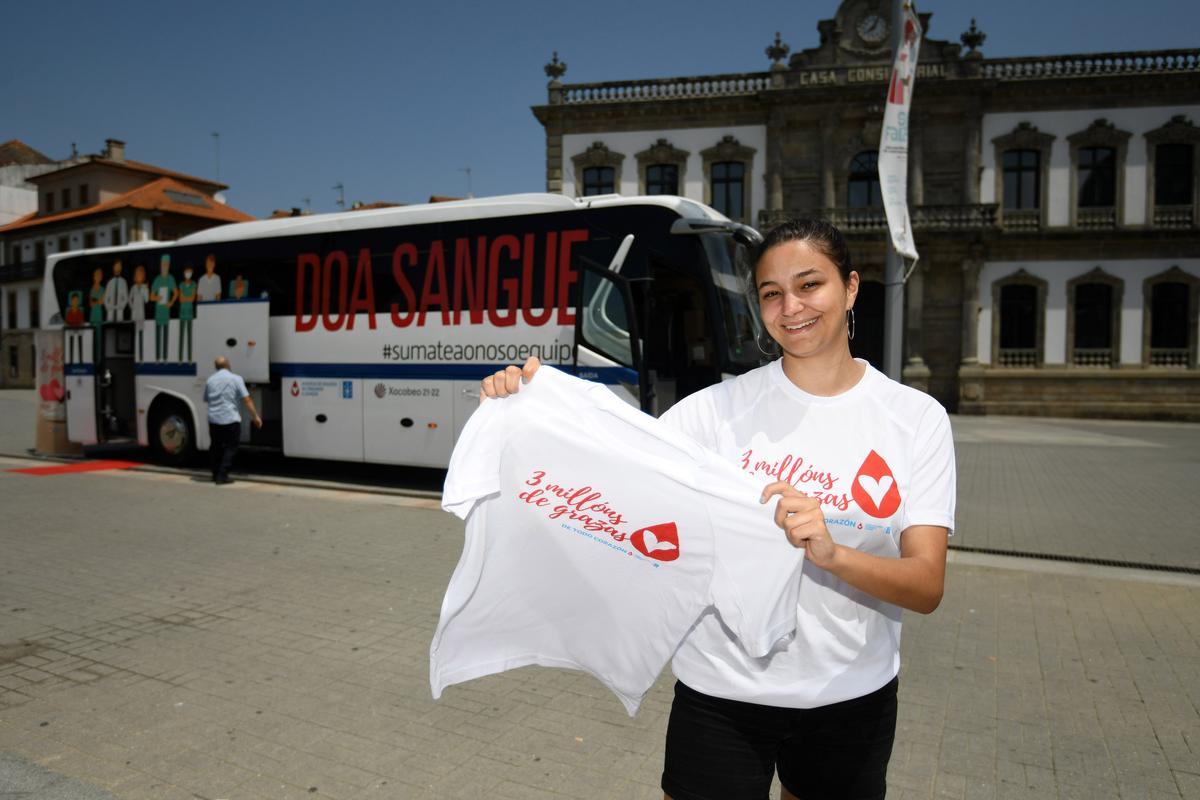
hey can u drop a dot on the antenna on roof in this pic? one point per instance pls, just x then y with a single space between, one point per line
217 144
341 190
307 204
468 171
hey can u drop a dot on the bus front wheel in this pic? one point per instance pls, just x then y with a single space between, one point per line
172 434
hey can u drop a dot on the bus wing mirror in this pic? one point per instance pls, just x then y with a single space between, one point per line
618 259
742 234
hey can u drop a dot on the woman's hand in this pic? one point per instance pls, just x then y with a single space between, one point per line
803 521
508 380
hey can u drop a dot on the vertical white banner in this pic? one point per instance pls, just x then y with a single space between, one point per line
893 142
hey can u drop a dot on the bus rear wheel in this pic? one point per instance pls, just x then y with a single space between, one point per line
172 434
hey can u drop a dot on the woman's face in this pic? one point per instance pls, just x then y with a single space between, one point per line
803 299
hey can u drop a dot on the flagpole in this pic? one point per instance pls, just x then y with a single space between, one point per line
893 267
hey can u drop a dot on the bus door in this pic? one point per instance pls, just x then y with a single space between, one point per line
681 354
116 399
79 371
608 344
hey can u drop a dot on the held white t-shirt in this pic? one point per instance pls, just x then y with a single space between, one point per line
881 458
596 537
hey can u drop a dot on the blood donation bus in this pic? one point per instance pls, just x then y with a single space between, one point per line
363 335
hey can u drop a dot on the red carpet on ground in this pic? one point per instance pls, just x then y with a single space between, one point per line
82 466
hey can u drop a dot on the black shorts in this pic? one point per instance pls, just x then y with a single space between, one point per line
721 749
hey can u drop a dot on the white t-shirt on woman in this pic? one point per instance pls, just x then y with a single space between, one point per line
880 456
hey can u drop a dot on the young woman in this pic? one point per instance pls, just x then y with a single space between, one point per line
862 472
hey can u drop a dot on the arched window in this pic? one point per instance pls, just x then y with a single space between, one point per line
1094 319
598 180
1097 177
1022 179
728 183
1019 314
662 179
1171 314
862 185
597 170
1173 150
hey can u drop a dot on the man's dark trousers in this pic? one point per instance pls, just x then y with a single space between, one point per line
222 448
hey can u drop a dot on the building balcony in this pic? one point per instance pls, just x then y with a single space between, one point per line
872 220
1174 216
1174 357
1096 218
1092 357
23 271
1017 357
1021 219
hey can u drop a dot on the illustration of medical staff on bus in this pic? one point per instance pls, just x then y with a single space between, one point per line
187 311
74 319
165 293
96 299
116 295
139 295
208 288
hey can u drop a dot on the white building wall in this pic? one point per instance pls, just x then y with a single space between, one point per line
1057 274
693 140
1136 121
17 196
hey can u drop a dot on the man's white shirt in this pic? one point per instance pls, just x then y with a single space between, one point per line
596 537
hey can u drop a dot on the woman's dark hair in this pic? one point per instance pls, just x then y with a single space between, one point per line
817 233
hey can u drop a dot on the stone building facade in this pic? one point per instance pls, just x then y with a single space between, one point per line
1055 200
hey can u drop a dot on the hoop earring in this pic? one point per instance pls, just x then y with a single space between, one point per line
758 344
850 322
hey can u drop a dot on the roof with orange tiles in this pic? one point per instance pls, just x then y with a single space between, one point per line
14 151
135 166
165 194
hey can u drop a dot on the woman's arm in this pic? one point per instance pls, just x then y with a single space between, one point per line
914 581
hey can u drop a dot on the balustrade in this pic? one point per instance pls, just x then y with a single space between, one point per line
1092 64
1174 216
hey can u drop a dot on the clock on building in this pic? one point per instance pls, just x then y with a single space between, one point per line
873 29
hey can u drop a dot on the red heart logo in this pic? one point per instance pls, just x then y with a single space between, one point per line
660 542
874 487
56 389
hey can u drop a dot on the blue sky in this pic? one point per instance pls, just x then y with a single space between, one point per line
394 99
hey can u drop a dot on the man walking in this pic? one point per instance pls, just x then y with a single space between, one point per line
222 391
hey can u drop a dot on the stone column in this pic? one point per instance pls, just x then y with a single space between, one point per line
554 153
915 372
774 176
828 149
916 161
973 123
971 268
970 372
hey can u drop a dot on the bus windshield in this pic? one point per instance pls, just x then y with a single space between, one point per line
727 262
